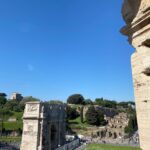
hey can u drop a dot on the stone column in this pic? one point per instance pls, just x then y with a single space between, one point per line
31 125
41 129
136 14
50 143
59 132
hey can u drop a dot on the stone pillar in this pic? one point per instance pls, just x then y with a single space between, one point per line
59 132
42 130
31 126
42 126
136 14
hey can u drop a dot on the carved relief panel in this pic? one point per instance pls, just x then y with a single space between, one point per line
32 110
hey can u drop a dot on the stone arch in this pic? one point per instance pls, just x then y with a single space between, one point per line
120 134
110 134
115 135
53 132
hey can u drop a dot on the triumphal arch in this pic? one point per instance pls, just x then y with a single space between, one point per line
136 14
43 126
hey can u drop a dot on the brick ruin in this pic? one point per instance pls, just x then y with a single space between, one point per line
115 127
43 126
136 14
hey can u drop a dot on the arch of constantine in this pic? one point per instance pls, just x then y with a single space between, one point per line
44 125
136 14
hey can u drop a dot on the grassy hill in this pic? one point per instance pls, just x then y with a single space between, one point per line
13 125
109 147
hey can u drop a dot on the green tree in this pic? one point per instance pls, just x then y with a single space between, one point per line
3 95
92 116
105 103
132 125
75 99
88 102
99 101
5 112
126 104
12 105
55 102
81 114
110 104
3 99
71 113
101 119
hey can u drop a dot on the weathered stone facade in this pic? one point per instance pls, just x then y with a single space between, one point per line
43 126
136 14
108 112
115 127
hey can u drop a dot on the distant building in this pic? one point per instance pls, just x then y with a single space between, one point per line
16 96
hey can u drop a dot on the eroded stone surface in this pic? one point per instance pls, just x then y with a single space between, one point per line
115 127
137 16
43 126
130 9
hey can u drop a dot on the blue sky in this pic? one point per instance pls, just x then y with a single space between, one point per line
53 48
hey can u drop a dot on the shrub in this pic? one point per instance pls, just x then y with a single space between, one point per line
12 105
106 103
71 113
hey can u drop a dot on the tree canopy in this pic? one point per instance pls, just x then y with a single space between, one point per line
3 100
95 117
71 113
92 116
75 99
106 103
3 95
132 125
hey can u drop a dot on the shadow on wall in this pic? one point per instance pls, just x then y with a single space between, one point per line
130 9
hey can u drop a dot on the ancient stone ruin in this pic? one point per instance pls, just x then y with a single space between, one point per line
115 127
136 14
43 126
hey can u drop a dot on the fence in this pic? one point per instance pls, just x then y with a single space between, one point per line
70 146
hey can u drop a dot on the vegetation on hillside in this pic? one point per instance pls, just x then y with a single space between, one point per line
78 99
94 117
109 147
132 125
12 109
105 103
75 112
75 99
71 113
3 99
